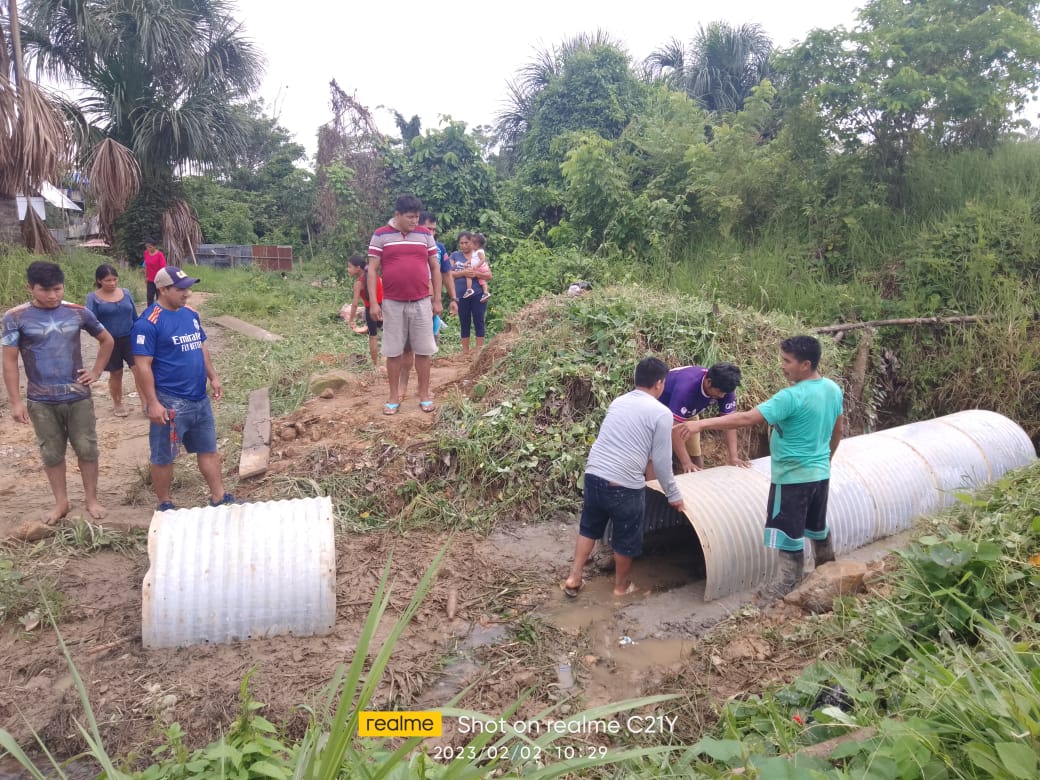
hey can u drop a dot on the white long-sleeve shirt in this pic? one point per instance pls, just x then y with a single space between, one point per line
636 430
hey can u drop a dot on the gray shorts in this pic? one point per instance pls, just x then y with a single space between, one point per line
58 425
408 327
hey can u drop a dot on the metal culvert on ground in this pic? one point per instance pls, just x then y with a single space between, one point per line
229 573
880 483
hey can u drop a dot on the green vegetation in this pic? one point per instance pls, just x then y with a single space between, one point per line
943 669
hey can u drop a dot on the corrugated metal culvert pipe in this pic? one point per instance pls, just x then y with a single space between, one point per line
228 573
880 482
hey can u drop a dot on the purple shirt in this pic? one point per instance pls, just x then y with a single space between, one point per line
683 394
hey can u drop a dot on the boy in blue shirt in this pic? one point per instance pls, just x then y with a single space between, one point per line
807 425
45 333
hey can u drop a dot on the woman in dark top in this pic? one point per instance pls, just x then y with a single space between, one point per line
114 307
472 310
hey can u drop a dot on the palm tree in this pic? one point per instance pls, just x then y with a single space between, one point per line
667 64
513 122
34 144
720 68
159 77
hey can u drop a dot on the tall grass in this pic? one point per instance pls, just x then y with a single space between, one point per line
78 264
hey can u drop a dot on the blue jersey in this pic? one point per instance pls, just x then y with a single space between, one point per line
443 258
173 339
48 341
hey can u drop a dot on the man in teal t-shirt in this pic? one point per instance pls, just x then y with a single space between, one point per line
807 425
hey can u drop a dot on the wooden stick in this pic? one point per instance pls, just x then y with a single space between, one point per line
844 326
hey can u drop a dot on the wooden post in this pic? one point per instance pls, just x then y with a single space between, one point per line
256 435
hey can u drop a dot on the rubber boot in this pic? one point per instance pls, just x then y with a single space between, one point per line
791 566
823 551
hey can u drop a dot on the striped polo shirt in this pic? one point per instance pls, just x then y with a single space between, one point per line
405 261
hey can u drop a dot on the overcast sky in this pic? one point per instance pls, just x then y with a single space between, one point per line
454 57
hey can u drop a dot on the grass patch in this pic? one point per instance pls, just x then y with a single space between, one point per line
79 266
26 595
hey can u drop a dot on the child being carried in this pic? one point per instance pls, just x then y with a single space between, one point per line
478 263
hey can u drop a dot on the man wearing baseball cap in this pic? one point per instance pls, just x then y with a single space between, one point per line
173 366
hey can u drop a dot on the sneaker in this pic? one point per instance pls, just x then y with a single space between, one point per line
468 293
227 499
484 297
165 506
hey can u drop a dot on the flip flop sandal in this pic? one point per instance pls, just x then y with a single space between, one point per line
426 406
569 592
390 409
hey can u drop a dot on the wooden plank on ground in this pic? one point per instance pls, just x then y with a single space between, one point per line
256 435
246 328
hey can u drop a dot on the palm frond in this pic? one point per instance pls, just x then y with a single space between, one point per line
10 139
114 178
667 63
44 137
37 237
181 231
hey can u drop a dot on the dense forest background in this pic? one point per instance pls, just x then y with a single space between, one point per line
884 171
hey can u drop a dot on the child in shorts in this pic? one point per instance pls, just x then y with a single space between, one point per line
478 262
357 267
45 333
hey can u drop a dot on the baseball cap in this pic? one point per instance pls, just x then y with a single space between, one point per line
175 276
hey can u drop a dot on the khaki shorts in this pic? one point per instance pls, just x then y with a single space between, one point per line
408 327
693 445
58 425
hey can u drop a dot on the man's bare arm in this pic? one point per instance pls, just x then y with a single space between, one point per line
837 433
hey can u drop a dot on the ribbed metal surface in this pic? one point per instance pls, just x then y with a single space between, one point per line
239 572
955 461
1004 443
726 506
879 484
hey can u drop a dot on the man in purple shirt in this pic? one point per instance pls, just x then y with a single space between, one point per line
690 390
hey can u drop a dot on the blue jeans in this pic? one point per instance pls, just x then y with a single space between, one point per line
472 309
621 506
195 426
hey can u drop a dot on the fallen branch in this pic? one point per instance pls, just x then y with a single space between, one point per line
845 326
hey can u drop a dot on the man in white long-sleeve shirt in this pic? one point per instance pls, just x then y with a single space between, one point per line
636 431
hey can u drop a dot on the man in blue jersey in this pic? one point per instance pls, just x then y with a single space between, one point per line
174 364
636 431
807 425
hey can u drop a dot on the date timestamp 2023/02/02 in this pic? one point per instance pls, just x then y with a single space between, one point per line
515 753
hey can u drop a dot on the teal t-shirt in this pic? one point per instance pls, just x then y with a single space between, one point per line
802 417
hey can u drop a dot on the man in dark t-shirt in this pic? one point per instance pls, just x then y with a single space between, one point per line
45 334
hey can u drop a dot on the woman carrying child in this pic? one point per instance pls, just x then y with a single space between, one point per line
472 310
114 307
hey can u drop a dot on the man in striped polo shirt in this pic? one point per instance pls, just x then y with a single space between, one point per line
405 255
